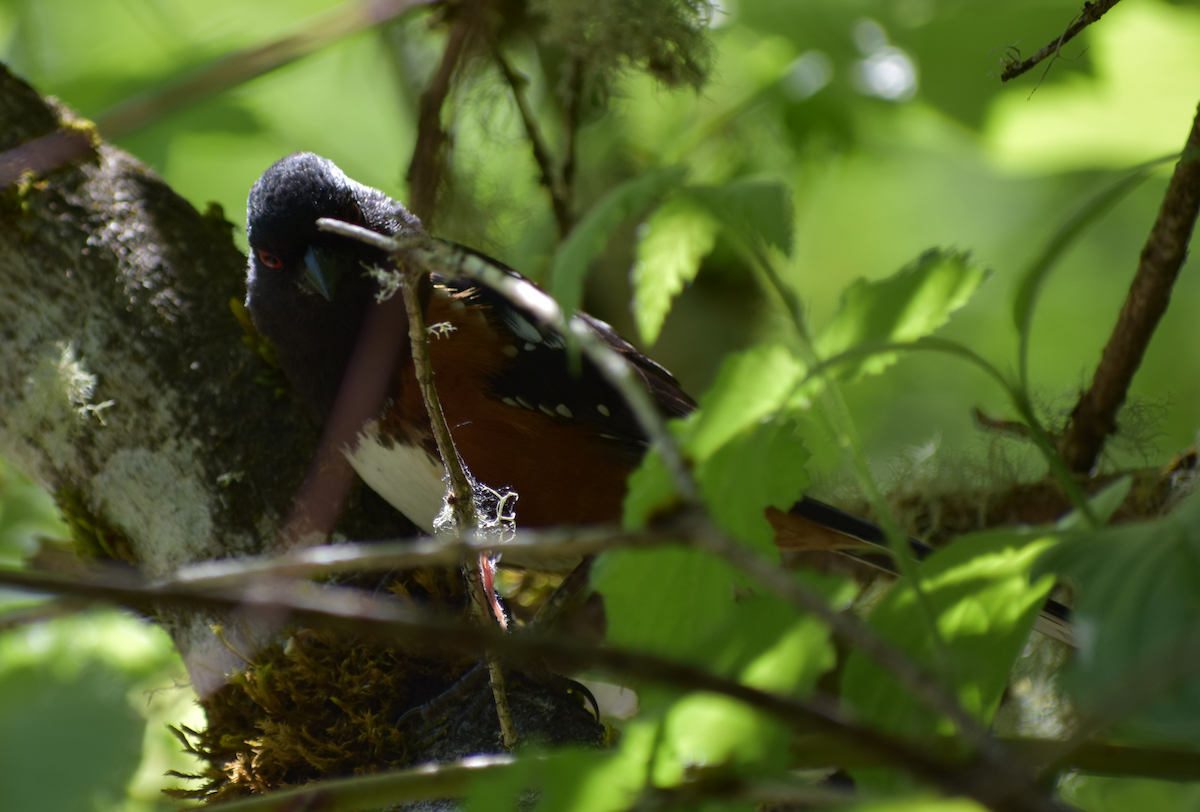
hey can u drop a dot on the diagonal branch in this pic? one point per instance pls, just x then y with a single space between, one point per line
1091 13
242 66
1094 417
427 167
555 185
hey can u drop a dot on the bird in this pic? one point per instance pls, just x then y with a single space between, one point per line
523 415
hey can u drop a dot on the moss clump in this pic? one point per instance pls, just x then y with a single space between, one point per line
315 706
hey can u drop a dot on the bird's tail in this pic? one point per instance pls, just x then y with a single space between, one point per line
815 526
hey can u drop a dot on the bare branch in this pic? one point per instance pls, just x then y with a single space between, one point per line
426 169
1094 417
1092 11
241 66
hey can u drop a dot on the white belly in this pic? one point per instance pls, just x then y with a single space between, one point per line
409 478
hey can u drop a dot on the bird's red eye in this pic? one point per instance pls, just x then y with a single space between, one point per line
353 214
270 260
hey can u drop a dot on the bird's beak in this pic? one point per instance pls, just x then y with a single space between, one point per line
322 270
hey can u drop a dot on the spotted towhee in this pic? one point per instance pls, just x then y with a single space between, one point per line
563 439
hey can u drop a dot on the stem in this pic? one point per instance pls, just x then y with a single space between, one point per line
1094 417
1092 11
541 153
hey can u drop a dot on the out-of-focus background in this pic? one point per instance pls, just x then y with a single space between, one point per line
885 117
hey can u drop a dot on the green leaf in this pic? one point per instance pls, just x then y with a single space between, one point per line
671 244
1036 274
755 211
985 607
764 643
743 461
904 307
749 386
685 592
1139 600
498 792
585 242
761 467
1104 504
588 781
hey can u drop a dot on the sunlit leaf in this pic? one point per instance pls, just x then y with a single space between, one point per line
587 239
671 244
1139 600
904 307
743 461
984 605
1103 793
1104 504
756 211
748 387
588 781
761 467
499 791
764 643
714 730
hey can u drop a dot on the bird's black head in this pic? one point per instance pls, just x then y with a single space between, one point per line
308 290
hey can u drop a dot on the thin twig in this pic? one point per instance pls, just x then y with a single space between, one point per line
361 395
43 155
426 168
1094 417
541 152
560 544
466 517
571 125
462 496
241 66
362 792
1091 13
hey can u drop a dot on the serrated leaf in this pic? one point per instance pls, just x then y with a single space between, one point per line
984 605
756 211
1139 599
904 307
587 239
672 242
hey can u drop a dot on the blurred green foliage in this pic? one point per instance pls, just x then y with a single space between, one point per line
882 131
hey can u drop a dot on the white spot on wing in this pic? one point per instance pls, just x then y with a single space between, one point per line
546 410
408 477
602 409
509 350
530 347
508 401
563 410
